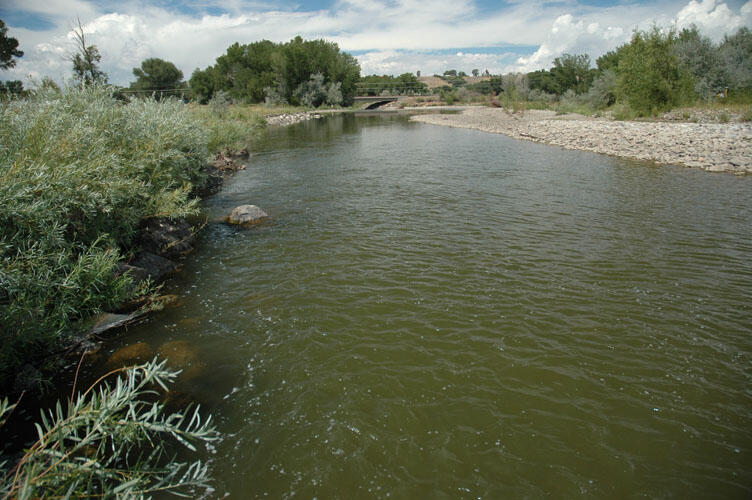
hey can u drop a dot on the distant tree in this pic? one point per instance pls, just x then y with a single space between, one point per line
11 88
698 55
543 81
273 72
86 60
651 78
476 72
572 72
450 72
609 60
735 53
159 77
8 48
202 85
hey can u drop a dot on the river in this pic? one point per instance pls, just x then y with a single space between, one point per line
443 313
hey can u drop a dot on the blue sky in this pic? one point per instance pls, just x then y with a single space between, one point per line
387 36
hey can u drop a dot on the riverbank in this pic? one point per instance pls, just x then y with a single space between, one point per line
716 147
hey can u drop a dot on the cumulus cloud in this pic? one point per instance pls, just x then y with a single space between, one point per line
429 63
714 18
391 36
596 34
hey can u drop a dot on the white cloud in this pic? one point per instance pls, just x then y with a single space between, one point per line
398 62
714 18
394 36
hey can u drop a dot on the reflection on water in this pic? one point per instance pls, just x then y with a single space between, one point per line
442 313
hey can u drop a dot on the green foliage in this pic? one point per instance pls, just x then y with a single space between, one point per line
492 86
569 72
735 53
11 88
158 77
651 79
257 71
699 56
86 60
315 92
8 48
602 92
78 172
112 441
404 84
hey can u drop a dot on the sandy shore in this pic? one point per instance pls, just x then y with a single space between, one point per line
717 147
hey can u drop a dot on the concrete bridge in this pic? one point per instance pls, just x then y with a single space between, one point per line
375 101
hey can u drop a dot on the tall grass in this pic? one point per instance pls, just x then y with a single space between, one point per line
78 171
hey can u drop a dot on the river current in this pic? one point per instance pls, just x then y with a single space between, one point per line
443 313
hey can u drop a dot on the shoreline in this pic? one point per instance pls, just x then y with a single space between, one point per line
715 147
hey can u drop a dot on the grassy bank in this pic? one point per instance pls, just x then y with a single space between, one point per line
79 171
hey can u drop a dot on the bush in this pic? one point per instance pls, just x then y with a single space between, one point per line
79 171
602 93
651 79
315 92
111 441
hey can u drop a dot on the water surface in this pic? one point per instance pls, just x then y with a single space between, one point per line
443 313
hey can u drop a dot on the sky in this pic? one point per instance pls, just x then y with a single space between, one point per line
386 36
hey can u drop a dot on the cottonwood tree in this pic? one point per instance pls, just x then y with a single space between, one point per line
86 60
8 52
8 48
159 77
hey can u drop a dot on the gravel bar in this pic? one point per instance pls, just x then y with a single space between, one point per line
716 147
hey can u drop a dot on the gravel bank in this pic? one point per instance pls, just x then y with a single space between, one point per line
715 147
291 118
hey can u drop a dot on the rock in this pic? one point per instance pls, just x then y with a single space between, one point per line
213 183
140 352
247 215
148 265
108 321
166 237
226 163
182 355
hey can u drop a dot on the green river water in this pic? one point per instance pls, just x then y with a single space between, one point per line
443 313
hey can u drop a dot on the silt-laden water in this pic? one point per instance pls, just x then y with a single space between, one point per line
443 313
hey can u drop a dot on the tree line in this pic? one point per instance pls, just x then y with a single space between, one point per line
655 71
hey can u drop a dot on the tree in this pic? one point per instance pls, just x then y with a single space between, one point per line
268 71
650 76
699 56
159 77
8 48
476 72
572 72
735 53
86 60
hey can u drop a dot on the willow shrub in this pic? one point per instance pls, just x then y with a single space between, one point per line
78 171
111 441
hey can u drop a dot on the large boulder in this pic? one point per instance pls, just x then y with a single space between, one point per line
247 215
166 237
147 265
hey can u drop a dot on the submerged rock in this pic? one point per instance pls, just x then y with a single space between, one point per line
140 352
247 215
182 355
